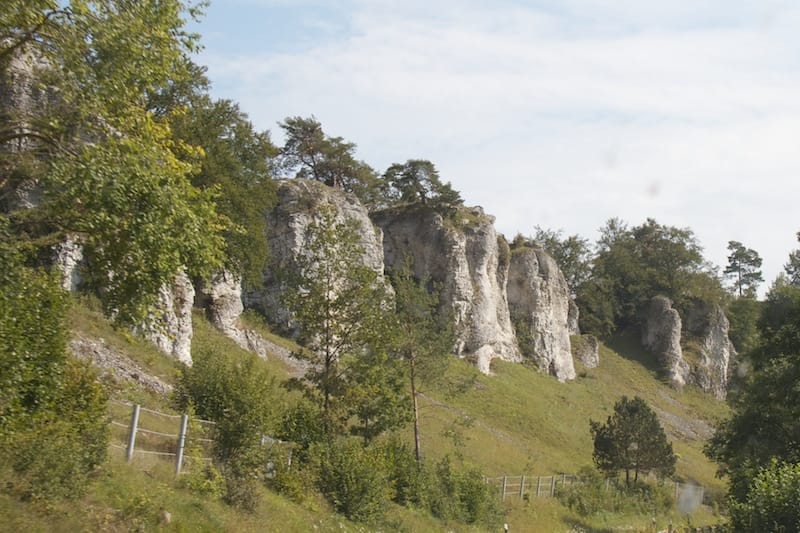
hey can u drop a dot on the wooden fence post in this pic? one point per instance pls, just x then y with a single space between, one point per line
538 484
553 486
181 441
132 433
522 486
504 487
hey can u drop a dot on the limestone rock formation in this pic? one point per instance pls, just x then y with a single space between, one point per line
171 326
68 257
470 261
221 297
707 354
661 334
539 302
573 318
716 352
586 350
299 201
114 364
21 98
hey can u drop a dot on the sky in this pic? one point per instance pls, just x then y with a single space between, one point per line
556 113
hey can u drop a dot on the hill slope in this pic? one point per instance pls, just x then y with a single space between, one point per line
516 421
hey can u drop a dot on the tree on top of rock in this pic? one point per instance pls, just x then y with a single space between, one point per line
310 153
417 182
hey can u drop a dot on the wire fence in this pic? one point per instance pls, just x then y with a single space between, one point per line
138 431
523 486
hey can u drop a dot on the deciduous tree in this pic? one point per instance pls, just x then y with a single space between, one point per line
339 304
104 168
425 337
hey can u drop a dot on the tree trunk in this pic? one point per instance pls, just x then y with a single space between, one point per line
417 452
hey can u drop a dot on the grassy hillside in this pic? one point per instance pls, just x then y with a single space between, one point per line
514 422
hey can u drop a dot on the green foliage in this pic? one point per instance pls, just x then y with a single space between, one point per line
792 268
632 265
53 430
592 496
407 479
462 494
767 406
339 304
205 481
744 266
417 182
234 392
302 424
424 336
352 479
310 153
632 440
108 170
238 163
743 314
771 503
572 253
237 394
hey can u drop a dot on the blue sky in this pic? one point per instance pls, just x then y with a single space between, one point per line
557 113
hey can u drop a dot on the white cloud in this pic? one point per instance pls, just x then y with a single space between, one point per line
567 114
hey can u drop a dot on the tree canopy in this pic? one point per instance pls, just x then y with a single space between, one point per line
766 401
417 182
339 304
744 266
632 265
309 153
99 164
632 440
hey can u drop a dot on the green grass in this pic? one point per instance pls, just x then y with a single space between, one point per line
516 421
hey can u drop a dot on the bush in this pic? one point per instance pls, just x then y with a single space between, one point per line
772 503
591 496
352 479
462 495
408 484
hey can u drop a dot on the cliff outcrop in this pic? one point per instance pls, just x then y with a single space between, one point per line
171 326
299 203
694 350
470 262
539 303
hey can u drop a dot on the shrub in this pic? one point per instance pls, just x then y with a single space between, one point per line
462 494
53 430
771 503
352 479
408 483
592 496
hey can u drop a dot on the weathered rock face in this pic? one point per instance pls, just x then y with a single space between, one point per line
21 97
710 351
221 297
171 328
539 302
298 205
711 326
573 318
661 334
68 257
587 351
470 263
